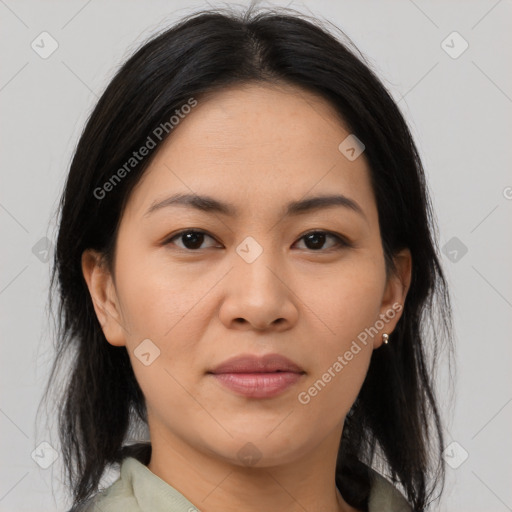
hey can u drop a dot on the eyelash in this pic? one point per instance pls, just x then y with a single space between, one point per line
341 242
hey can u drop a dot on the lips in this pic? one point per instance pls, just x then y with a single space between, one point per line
270 363
258 377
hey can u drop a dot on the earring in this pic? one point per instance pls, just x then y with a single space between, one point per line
385 338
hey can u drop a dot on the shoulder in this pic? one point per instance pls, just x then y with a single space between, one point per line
385 497
118 496
113 499
84 506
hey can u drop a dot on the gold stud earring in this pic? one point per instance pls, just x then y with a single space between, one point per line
385 338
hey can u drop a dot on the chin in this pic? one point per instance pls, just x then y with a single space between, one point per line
256 448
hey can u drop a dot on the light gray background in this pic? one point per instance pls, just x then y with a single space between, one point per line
459 110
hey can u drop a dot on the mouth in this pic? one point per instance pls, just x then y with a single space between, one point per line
248 363
258 376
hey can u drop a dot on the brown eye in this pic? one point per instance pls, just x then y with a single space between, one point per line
191 239
315 240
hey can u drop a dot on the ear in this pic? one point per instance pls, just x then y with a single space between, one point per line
393 299
104 298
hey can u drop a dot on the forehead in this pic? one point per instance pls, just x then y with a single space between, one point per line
256 118
255 145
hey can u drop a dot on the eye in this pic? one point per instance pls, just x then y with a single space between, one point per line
314 240
192 239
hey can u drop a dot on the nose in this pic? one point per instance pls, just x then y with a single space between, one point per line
259 295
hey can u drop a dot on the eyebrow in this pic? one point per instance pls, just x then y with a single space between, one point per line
211 205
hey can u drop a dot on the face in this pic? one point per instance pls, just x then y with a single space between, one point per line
194 287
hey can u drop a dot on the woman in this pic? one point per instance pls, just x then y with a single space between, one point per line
247 265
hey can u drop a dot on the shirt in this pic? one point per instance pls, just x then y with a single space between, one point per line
139 490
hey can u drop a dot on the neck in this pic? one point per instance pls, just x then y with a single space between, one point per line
213 484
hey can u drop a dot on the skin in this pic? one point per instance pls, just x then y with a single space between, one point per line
257 147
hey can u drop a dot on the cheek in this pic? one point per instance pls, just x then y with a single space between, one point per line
161 303
350 302
341 358
348 307
164 306
156 300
